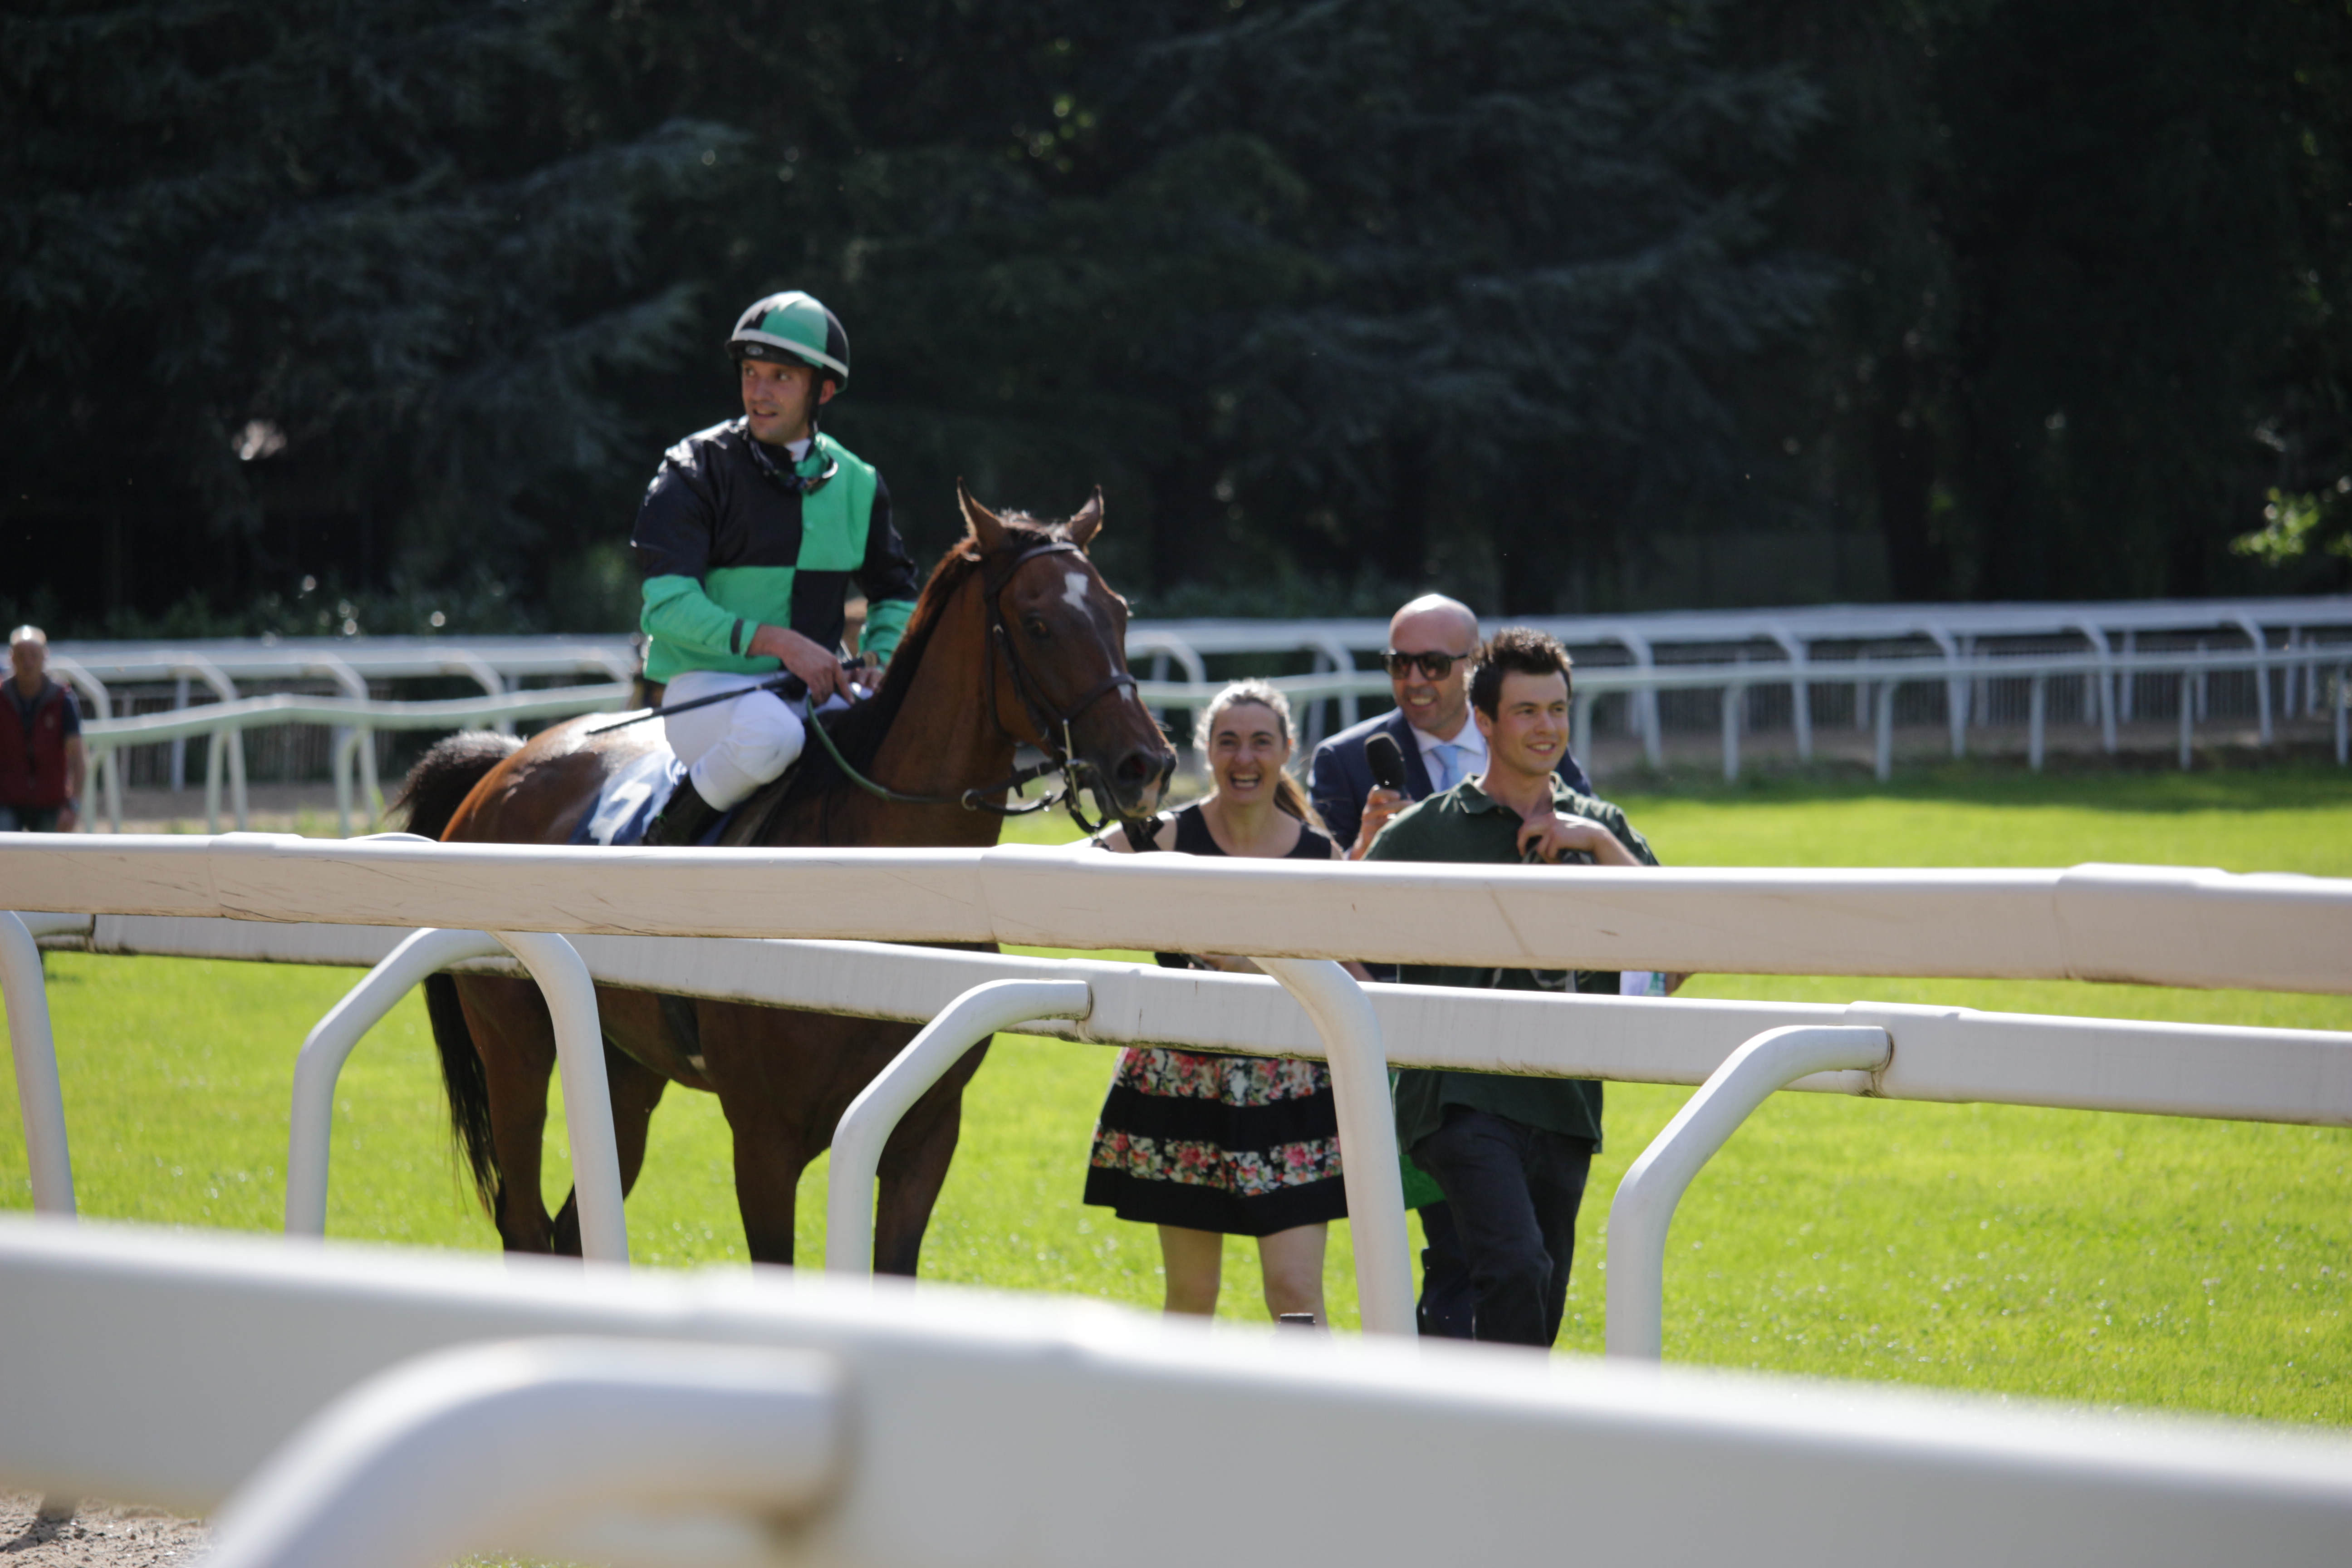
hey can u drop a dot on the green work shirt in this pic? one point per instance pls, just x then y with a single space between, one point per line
1465 826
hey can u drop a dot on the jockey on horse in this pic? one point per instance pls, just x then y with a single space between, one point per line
749 537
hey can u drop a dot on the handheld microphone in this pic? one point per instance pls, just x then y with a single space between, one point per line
1387 762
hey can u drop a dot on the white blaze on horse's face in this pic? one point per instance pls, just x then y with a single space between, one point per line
1074 589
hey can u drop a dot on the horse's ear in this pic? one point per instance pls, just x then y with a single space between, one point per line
1083 527
986 527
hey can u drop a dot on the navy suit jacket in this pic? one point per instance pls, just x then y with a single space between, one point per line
1339 777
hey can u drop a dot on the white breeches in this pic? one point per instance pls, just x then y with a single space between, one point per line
730 749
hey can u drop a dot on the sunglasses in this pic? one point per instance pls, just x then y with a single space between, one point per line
1435 665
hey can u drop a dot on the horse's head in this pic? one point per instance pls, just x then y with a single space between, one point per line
1060 653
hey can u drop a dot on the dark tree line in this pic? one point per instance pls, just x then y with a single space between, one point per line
1333 297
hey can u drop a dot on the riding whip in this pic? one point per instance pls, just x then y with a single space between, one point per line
791 687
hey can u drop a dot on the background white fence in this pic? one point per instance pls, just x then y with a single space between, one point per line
1869 667
392 1466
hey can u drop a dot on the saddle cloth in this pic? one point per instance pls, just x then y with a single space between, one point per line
633 797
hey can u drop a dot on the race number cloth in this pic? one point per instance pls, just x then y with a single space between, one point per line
633 797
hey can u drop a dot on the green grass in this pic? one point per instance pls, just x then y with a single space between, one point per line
2092 1259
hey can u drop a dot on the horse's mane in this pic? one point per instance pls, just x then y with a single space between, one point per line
860 731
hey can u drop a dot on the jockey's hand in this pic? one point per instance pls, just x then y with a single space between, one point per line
819 669
868 676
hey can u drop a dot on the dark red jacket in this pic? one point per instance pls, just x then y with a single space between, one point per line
33 765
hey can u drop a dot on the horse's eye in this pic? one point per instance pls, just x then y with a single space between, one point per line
1036 627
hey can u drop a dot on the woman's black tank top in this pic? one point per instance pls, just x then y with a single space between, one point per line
1193 837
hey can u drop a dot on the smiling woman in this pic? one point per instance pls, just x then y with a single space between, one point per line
1207 1146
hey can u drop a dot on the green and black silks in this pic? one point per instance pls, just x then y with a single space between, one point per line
729 540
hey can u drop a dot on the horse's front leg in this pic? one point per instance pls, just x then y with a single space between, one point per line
634 1089
773 1071
915 1167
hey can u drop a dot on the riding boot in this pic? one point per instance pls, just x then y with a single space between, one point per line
683 818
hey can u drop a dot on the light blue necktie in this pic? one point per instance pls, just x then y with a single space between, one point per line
1447 756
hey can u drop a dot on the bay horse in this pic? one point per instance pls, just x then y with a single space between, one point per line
1015 640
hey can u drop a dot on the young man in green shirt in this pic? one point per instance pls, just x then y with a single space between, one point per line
1510 1152
750 537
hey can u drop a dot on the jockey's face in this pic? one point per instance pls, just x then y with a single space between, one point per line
776 399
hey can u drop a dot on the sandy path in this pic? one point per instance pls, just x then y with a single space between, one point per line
99 1535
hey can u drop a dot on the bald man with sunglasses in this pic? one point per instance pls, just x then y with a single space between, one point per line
1431 641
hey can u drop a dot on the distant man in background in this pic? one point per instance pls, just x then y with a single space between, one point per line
1431 641
41 763
1510 1153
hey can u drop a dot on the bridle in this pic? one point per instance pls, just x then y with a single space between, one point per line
1045 718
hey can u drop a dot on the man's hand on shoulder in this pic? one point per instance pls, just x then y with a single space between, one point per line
820 672
1551 836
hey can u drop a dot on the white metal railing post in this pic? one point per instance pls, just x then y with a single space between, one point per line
1734 695
40 1101
1959 697
1645 704
2343 705
2187 719
1801 695
1353 1050
866 1127
587 1099
213 744
240 799
1654 1185
355 687
70 672
1956 703
1884 760
512 1444
2037 707
310 1125
2099 684
1344 660
231 740
342 754
355 743
2259 640
179 742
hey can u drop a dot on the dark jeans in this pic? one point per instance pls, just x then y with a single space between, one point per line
1445 1305
1514 1190
29 818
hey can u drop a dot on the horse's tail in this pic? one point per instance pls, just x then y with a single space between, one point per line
468 1083
437 787
442 779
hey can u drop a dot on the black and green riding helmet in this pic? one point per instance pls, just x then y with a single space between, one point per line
793 325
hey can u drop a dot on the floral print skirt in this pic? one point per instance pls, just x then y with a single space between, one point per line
1243 1145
